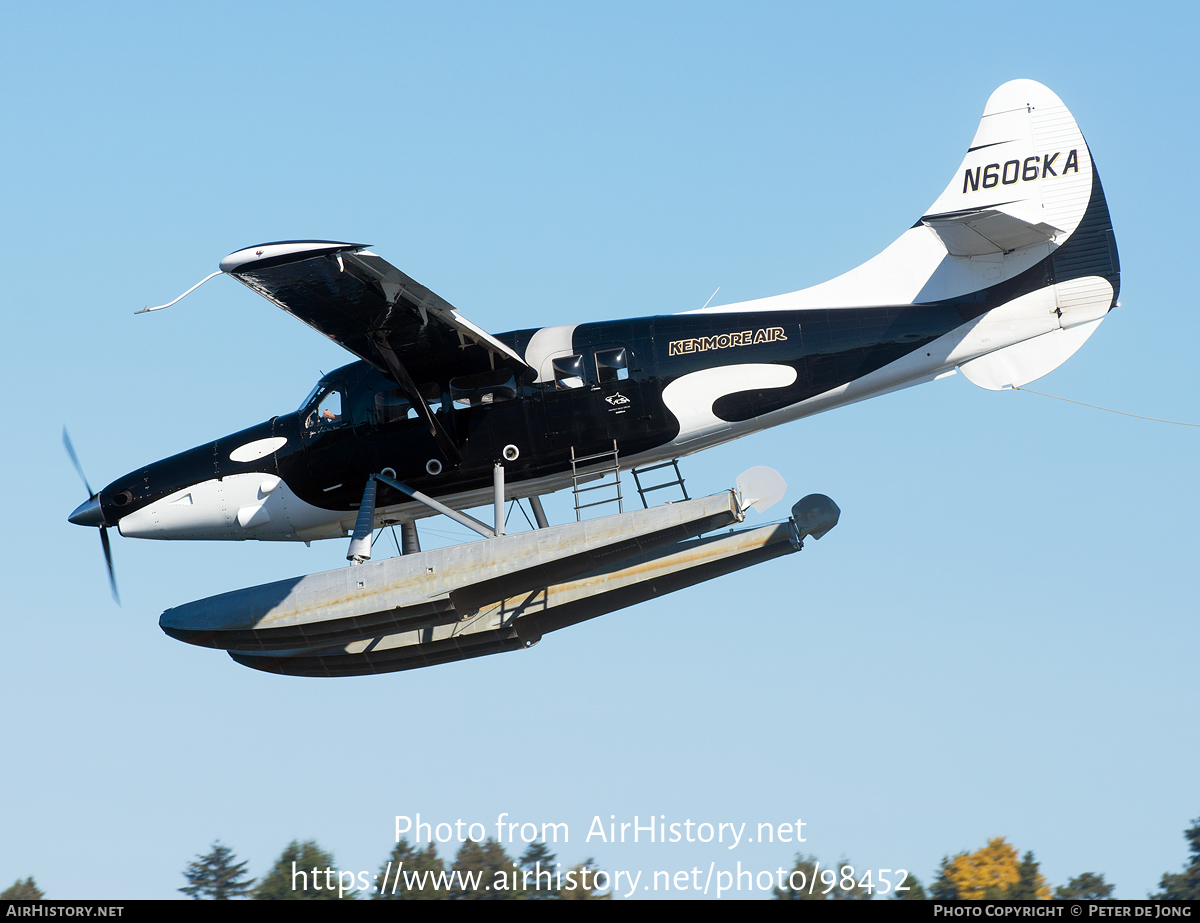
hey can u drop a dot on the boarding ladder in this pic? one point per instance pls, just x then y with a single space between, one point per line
644 489
610 465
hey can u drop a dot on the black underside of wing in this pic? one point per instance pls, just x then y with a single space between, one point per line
339 300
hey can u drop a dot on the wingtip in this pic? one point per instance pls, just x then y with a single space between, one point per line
285 251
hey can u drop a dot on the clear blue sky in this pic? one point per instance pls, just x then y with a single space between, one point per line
1000 637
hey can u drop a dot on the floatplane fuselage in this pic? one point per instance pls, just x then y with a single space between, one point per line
1004 277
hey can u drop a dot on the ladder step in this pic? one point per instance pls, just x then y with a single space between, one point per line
602 473
644 489
583 458
596 487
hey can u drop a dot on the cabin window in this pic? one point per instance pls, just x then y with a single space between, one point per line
568 372
432 392
611 365
394 406
481 390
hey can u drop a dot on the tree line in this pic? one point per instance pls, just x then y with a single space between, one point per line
480 871
995 872
410 872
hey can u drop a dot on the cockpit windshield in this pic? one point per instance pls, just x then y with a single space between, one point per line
311 394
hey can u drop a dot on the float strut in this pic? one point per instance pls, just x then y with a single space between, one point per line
462 518
360 544
410 542
498 497
539 514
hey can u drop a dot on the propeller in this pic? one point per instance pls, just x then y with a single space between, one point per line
90 514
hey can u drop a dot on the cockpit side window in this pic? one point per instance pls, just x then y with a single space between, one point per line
327 411
330 407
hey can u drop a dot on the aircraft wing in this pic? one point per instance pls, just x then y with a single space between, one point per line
358 299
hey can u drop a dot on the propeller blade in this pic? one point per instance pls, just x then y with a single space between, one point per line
112 577
75 461
90 515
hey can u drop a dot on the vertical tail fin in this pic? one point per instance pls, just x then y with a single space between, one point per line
1028 161
1025 191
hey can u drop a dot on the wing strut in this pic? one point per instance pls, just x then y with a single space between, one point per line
400 374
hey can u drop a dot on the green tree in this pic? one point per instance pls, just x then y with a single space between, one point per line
579 883
915 892
304 872
1186 885
537 861
807 866
942 888
216 876
856 893
1087 887
1030 886
485 873
808 890
423 866
25 890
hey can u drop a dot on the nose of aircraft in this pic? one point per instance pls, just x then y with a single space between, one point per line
88 513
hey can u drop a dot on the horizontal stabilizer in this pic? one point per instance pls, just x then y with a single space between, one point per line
980 231
1024 362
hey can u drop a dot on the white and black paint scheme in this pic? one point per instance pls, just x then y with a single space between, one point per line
1010 270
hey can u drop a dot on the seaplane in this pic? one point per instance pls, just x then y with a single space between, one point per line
1003 278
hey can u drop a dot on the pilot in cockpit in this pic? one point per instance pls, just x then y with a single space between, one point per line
328 412
330 409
